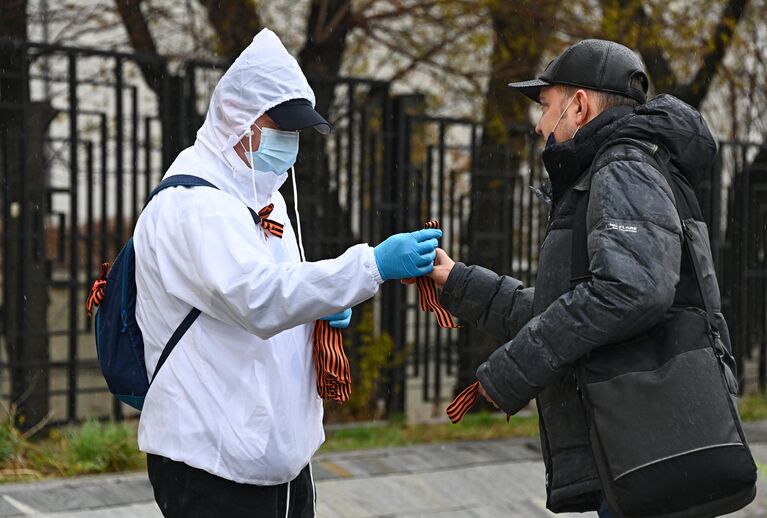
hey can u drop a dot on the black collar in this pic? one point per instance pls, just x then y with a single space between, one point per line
567 161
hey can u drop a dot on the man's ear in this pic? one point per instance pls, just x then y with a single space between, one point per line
583 110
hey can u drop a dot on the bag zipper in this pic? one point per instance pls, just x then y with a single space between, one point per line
548 450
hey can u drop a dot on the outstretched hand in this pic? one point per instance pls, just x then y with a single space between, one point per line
410 254
443 265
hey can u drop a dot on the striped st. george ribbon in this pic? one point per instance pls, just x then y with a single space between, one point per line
427 295
429 302
96 295
270 226
334 380
463 403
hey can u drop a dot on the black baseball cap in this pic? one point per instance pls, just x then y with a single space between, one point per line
600 65
298 114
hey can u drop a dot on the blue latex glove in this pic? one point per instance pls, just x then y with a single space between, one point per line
340 320
407 255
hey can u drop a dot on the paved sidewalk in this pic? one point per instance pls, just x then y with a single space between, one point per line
487 479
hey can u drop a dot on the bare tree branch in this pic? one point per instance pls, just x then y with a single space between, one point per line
362 19
235 22
141 40
425 58
694 92
627 22
341 15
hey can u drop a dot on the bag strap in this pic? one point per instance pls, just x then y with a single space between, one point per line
579 262
184 180
658 157
177 334
188 180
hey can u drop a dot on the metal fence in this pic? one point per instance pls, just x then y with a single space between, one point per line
734 202
80 151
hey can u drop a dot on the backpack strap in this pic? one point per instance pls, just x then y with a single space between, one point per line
184 180
188 180
177 334
579 262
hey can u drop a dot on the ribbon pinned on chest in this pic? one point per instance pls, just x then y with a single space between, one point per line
270 226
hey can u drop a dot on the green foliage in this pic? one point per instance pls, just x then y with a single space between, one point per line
753 407
12 441
16 448
97 447
478 426
370 355
94 447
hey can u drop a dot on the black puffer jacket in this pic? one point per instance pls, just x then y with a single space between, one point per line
634 244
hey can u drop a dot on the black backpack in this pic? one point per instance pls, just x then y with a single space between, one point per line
661 408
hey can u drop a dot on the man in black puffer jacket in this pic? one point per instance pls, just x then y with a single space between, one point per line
592 96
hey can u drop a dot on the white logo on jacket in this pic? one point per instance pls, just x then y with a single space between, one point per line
622 228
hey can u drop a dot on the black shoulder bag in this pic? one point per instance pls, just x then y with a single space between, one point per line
661 408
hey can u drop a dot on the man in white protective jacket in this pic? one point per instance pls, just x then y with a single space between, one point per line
232 420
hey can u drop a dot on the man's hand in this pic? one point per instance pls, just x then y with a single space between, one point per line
486 396
443 265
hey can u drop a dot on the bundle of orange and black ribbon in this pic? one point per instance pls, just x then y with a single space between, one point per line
334 380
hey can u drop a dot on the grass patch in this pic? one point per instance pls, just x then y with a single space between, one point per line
753 407
97 447
483 425
93 447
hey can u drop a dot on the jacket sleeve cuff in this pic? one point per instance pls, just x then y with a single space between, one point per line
505 401
455 279
372 266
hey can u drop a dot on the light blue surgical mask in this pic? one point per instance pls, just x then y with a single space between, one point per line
277 151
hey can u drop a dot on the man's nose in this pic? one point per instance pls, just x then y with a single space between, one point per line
538 129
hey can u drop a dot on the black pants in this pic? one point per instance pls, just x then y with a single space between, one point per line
185 492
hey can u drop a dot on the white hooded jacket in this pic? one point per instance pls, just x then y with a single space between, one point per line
237 397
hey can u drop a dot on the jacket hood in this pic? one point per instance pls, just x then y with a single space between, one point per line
676 126
262 77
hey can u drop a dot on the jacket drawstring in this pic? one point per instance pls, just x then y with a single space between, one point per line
298 216
252 167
